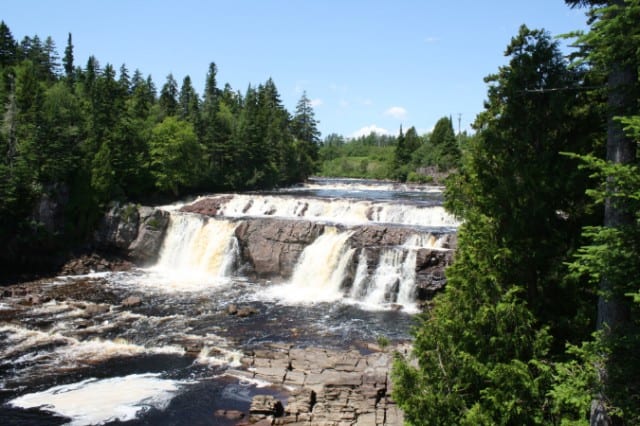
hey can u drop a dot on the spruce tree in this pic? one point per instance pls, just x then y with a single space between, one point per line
67 60
484 350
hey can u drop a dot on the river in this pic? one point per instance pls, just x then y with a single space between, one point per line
82 357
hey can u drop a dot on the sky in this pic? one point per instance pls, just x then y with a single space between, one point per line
365 64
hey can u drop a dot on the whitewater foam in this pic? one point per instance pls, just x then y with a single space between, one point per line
95 401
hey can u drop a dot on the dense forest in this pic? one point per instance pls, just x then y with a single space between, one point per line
74 139
539 323
406 157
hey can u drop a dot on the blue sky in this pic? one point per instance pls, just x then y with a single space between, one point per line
365 64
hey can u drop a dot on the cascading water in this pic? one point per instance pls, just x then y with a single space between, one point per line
320 272
344 211
166 333
198 249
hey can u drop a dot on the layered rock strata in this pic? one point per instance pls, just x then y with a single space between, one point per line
325 387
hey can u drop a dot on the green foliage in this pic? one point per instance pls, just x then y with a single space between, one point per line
485 352
92 135
175 155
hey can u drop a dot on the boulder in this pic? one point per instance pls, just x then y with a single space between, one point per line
264 406
272 246
119 227
150 235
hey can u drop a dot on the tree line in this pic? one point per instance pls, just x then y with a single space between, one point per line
78 138
405 157
539 323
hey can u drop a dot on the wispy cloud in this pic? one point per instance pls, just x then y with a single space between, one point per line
343 103
396 112
431 40
367 130
316 102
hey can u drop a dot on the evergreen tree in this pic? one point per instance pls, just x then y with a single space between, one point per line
484 350
444 150
189 103
304 127
168 100
67 61
401 158
612 49
8 46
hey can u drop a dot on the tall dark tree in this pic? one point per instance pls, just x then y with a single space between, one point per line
445 152
168 100
8 46
67 60
304 127
483 351
612 48
189 103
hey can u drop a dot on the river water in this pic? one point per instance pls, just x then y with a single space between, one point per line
84 358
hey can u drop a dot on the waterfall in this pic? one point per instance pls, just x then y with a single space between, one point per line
197 248
359 286
320 271
394 279
345 211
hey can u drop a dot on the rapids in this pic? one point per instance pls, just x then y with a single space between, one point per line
67 360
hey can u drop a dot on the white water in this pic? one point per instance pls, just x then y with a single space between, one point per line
320 271
360 185
67 352
394 279
197 251
344 211
94 401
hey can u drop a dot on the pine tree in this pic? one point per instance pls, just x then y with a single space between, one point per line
168 101
304 127
67 61
8 46
189 103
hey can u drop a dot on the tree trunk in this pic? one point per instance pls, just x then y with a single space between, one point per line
613 307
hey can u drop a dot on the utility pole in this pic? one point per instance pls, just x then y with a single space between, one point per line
459 120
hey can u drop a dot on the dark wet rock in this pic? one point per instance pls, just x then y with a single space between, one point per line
119 227
229 414
131 302
94 262
50 207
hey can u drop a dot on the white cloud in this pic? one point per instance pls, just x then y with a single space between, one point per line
367 102
316 102
343 103
396 112
431 40
368 130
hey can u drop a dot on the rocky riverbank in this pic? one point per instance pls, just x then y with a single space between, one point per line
325 387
